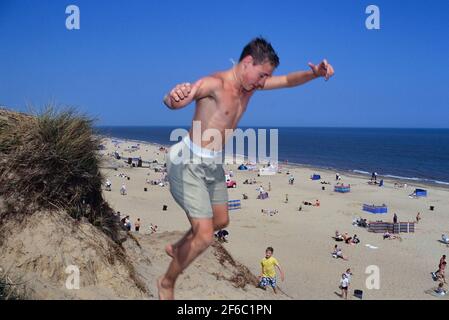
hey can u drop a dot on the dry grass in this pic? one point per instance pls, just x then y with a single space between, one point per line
242 276
50 161
11 289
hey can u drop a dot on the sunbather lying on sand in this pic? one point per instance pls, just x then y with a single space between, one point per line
347 238
390 236
269 212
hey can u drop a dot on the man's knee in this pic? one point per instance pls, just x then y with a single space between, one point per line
204 237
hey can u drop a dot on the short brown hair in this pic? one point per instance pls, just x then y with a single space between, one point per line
261 51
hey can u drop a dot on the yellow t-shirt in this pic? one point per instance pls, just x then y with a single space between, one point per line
268 270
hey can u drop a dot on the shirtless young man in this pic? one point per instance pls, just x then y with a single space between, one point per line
199 188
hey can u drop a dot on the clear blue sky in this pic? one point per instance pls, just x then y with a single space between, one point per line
128 54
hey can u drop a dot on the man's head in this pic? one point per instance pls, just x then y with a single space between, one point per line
269 252
258 60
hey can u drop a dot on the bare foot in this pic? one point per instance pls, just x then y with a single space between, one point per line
165 293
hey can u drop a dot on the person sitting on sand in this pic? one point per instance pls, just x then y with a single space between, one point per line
338 253
355 221
445 238
137 225
221 235
338 236
355 240
389 236
268 275
362 223
317 203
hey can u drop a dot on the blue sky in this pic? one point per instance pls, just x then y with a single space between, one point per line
128 54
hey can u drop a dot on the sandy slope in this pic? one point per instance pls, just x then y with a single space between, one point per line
37 251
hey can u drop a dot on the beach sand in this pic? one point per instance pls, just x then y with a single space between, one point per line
302 240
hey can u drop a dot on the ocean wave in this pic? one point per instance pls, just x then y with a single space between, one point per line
360 171
442 182
418 179
405 178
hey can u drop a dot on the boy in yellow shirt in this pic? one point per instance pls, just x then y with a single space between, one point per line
268 276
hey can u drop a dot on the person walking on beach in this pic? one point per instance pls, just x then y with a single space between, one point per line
418 217
199 186
268 274
108 185
123 190
441 272
395 218
344 286
442 260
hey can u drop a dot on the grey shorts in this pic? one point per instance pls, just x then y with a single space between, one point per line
195 183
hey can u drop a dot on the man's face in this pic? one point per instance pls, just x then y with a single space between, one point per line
255 75
268 254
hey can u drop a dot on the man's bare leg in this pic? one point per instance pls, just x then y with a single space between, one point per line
220 221
185 253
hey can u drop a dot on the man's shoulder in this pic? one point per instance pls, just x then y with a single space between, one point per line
214 80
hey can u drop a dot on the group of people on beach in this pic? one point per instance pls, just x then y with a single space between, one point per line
346 238
126 224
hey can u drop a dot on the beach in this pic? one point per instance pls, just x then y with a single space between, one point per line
302 240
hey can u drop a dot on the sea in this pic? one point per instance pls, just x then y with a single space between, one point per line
419 155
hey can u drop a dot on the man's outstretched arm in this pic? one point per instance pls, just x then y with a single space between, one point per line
324 69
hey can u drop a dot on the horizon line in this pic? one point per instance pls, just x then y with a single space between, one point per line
274 127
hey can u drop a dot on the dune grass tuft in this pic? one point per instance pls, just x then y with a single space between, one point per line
51 161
